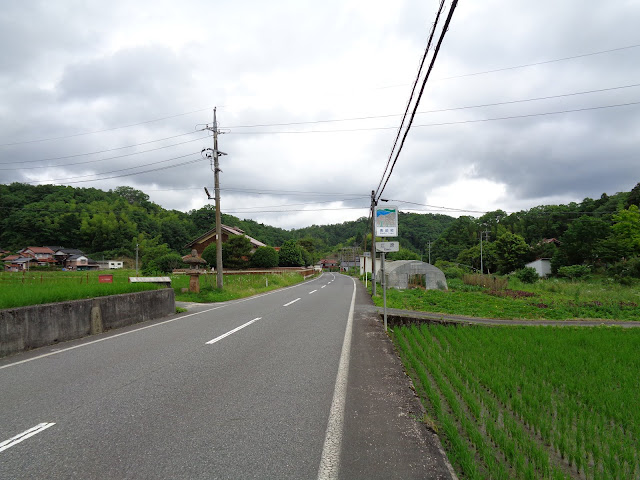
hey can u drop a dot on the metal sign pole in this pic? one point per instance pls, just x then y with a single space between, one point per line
384 292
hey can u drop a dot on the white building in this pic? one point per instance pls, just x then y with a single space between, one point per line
542 266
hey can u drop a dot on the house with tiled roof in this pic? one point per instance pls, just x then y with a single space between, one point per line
206 239
39 253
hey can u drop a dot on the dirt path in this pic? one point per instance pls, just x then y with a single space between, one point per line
401 317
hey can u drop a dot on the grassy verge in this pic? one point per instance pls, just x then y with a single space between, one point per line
35 288
515 402
547 299
235 286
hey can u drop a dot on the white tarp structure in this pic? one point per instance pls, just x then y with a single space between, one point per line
402 274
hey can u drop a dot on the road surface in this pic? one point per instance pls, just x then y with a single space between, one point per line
254 388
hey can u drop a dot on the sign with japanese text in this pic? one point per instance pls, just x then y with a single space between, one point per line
386 221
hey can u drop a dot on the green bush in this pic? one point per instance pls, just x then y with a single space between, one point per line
527 275
265 257
209 254
574 271
453 272
167 263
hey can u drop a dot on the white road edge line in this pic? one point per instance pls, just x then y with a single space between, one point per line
291 302
312 291
24 435
224 335
323 286
330 460
154 325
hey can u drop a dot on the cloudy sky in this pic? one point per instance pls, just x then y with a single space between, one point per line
309 96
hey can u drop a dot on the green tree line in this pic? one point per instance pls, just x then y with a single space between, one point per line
599 233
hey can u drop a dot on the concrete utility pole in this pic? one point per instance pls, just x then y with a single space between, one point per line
216 170
373 243
429 252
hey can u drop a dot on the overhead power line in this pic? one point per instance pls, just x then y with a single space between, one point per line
413 88
544 62
100 151
452 8
39 140
440 110
72 179
367 129
104 159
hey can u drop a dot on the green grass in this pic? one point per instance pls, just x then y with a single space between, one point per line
552 300
235 286
38 287
530 402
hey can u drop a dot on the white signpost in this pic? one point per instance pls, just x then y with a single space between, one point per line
384 247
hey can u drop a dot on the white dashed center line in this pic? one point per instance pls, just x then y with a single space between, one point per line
291 302
232 331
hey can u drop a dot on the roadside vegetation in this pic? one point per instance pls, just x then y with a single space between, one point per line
530 402
509 298
235 286
34 288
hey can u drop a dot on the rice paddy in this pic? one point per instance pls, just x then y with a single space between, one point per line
530 402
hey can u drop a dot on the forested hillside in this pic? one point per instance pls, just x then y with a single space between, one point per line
110 224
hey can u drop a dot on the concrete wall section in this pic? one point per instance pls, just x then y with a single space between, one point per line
36 326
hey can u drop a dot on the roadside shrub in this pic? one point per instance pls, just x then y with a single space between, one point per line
209 254
167 263
574 271
626 269
453 272
265 257
527 275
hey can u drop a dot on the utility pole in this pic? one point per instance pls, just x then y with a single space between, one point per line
137 244
216 170
373 242
429 252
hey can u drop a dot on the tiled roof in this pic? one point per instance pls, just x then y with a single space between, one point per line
40 250
228 230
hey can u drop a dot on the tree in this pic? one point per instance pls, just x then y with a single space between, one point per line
626 231
131 195
583 241
236 252
512 251
264 257
291 255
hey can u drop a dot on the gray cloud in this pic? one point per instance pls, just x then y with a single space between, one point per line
74 69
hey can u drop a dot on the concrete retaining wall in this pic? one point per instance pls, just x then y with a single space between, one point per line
25 328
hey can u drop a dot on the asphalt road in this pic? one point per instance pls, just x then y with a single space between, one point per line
162 402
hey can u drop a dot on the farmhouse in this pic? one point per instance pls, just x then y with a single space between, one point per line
328 263
80 262
206 239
